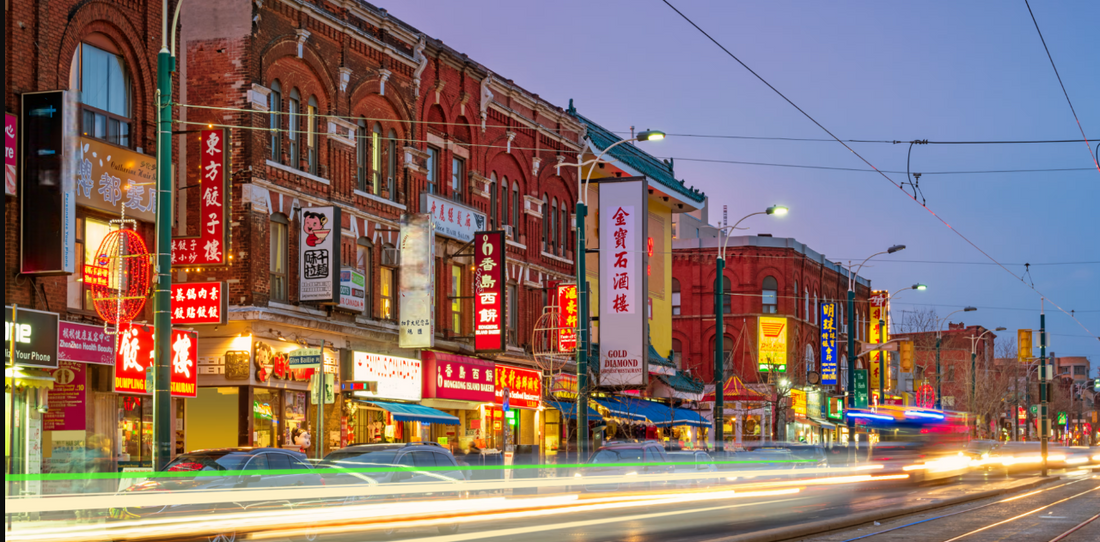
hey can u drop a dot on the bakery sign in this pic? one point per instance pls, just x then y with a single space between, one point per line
489 303
460 378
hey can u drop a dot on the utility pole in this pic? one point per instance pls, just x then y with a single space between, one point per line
582 336
719 366
163 433
1044 378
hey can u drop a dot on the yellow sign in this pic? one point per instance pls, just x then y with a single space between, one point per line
109 176
878 333
1023 344
798 402
772 334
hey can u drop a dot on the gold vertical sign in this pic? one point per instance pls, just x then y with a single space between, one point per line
1023 343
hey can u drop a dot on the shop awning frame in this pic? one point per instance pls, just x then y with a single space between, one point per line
569 409
820 422
406 412
658 414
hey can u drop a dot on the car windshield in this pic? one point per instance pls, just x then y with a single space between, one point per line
682 457
622 455
208 461
352 459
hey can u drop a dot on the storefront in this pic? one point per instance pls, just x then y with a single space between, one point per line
460 386
27 381
745 416
630 417
560 413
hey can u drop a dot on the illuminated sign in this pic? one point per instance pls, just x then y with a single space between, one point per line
828 344
396 378
134 361
95 275
564 386
10 161
34 334
524 386
319 255
772 334
416 304
461 378
567 317
879 333
85 343
861 395
798 402
452 219
623 341
48 177
210 245
490 312
198 303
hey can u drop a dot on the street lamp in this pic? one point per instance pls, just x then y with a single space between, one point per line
582 287
973 370
719 327
881 326
939 336
852 330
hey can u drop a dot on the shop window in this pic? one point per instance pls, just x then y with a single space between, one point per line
458 168
675 297
89 235
275 108
513 313
101 76
391 165
135 430
770 295
362 155
266 406
280 244
456 303
364 260
494 216
376 159
433 165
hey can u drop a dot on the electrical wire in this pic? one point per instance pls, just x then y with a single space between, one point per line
869 164
1063 85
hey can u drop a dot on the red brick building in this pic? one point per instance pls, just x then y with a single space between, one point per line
956 342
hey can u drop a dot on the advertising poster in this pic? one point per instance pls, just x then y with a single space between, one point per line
452 219
878 335
198 303
623 218
35 336
48 173
353 294
85 343
828 344
209 246
11 124
393 377
66 399
416 304
568 311
524 386
319 254
772 355
490 309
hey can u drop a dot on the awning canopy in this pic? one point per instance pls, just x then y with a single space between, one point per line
656 413
736 390
569 410
27 377
683 416
415 413
821 422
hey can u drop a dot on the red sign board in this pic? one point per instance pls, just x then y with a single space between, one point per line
489 306
95 275
567 317
198 303
66 399
134 361
461 378
524 386
209 246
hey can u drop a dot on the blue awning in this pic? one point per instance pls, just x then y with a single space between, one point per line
683 416
404 412
657 413
569 410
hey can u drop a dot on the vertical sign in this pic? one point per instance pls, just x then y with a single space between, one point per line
828 344
772 333
10 146
198 303
416 304
1023 345
134 361
209 246
319 255
878 332
623 214
489 306
567 317
185 349
861 397
47 218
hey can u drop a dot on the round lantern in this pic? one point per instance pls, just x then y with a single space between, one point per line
120 276
926 396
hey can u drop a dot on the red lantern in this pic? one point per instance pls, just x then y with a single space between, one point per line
926 396
122 266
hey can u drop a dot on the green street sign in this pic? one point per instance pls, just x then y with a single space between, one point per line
1034 410
1061 418
861 395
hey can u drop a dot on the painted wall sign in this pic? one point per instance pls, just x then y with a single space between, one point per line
772 336
85 343
623 282
47 197
134 361
567 317
111 176
66 399
524 386
198 303
11 170
210 245
319 254
452 219
396 378
416 304
461 378
490 309
828 344
35 336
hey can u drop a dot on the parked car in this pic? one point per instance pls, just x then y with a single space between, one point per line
618 459
696 462
293 470
804 456
758 464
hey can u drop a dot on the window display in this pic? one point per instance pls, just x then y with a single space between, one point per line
265 423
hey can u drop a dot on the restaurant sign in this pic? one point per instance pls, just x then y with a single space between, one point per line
110 176
134 361
623 218
319 255
828 344
198 303
772 335
524 386
567 317
210 246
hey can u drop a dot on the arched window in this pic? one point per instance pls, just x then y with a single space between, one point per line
364 262
808 359
813 317
545 224
675 297
100 74
376 159
677 353
494 216
275 107
553 224
796 299
293 127
564 229
806 308
387 283
770 295
391 165
458 173
311 134
504 202
515 209
362 155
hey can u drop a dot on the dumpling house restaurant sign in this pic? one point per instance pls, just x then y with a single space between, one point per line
134 361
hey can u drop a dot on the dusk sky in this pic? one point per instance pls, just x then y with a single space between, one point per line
942 71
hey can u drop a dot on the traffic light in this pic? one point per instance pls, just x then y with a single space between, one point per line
1023 343
1096 385
905 348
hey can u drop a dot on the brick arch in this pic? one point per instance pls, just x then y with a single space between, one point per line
368 105
104 18
360 95
774 272
466 135
556 186
509 165
284 50
436 118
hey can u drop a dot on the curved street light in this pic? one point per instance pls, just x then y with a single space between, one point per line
973 403
939 336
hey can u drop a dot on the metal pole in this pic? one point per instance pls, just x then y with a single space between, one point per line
719 356
319 450
851 363
582 337
1016 395
162 301
1043 378
882 365
939 378
973 398
10 429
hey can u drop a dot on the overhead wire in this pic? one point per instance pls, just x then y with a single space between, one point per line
869 164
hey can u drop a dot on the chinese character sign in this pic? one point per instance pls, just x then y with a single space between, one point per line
319 254
489 278
772 335
109 177
198 303
623 216
416 304
878 335
567 317
452 219
524 386
185 349
134 361
828 344
209 247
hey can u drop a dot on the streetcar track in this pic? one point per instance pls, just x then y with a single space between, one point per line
1075 529
1025 514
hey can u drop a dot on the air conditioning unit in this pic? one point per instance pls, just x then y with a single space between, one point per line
508 232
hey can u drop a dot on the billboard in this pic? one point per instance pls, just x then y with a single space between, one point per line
47 198
209 246
880 300
623 219
319 255
416 304
198 303
567 317
393 377
490 309
34 336
828 344
353 293
772 353
452 219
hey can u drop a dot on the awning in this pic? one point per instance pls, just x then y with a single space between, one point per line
821 422
682 383
415 413
569 410
621 410
736 390
683 416
27 377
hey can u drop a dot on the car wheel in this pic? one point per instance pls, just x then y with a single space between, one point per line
222 537
448 529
